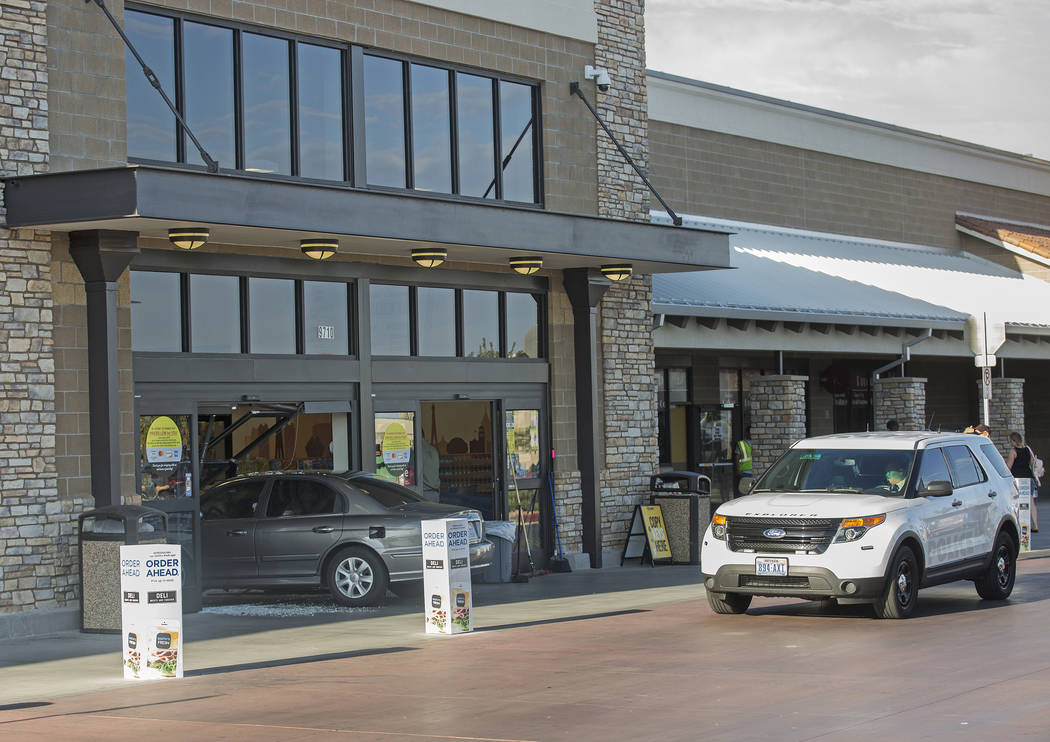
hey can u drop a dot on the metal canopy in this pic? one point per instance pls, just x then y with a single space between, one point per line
247 210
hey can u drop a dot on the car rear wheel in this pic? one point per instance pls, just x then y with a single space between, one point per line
998 580
902 588
728 602
357 577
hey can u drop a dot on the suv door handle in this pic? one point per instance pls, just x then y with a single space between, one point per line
237 532
322 529
993 493
957 503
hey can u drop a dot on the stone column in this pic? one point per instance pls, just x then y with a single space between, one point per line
1005 411
900 398
778 417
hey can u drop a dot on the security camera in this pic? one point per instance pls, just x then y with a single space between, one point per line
600 76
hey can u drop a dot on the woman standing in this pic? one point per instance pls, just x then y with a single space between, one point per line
1020 463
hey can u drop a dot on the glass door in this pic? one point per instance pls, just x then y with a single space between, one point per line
526 493
460 432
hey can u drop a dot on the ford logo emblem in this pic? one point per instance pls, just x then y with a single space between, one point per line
774 533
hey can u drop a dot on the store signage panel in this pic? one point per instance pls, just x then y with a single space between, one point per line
1024 512
151 610
446 576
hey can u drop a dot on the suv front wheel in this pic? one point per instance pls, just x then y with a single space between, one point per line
902 588
998 580
728 602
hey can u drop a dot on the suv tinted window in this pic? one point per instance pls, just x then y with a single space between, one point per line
933 469
296 497
233 500
964 467
995 459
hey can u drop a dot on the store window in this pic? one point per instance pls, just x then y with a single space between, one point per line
151 124
165 464
395 447
266 90
390 320
325 318
271 315
523 326
481 324
436 320
516 127
384 121
207 59
431 130
320 87
156 310
522 428
477 166
215 317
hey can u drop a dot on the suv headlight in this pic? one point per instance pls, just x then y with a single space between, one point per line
718 526
853 529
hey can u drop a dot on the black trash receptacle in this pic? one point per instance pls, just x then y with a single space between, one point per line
102 532
684 499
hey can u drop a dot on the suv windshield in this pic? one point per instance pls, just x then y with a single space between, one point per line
872 471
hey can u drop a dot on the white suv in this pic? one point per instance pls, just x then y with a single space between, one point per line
867 517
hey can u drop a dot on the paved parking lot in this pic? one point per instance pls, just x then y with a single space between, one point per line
606 655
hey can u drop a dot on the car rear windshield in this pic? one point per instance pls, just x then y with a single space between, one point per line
871 471
387 494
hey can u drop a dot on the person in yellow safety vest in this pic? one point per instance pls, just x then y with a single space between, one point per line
742 458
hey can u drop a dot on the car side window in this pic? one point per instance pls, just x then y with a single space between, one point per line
297 497
995 459
964 467
233 500
933 469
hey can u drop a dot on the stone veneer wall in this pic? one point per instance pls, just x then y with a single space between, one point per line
627 362
36 525
1005 410
778 417
900 398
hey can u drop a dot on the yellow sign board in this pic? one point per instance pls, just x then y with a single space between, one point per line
655 532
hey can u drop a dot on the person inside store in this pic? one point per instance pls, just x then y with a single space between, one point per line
742 463
1019 461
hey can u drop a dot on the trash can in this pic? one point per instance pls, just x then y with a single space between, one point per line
684 500
501 533
102 532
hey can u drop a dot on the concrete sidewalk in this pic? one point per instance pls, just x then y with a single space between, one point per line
237 631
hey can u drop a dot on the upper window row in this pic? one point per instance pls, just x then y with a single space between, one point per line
267 104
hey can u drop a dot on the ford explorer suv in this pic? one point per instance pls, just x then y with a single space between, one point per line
867 517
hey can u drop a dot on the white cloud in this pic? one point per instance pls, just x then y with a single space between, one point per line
969 70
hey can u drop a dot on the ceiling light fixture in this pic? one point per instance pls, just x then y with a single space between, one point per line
319 249
429 257
526 265
617 271
188 238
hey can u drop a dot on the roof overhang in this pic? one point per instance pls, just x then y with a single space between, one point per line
245 210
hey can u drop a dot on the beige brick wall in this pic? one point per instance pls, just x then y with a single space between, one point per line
87 64
720 175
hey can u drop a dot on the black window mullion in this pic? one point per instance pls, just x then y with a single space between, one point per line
180 93
537 148
413 324
184 289
238 101
354 339
497 139
502 324
356 121
459 323
453 138
300 318
406 95
293 109
348 109
245 320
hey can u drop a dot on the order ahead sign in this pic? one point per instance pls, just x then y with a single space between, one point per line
446 576
151 610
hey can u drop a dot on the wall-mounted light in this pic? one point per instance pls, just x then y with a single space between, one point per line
617 271
188 238
429 257
526 265
318 249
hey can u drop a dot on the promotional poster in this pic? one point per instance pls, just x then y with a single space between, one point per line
446 576
1024 512
151 610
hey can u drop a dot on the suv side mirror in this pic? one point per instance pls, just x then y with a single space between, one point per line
940 488
745 486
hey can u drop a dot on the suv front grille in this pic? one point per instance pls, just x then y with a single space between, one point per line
785 582
812 535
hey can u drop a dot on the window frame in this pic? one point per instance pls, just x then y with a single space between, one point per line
352 130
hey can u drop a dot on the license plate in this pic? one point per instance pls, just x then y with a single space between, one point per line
771 567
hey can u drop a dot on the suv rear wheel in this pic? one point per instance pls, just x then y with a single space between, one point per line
998 580
902 588
728 602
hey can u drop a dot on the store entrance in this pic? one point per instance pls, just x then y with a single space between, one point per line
459 455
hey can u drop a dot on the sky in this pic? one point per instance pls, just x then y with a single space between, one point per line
975 71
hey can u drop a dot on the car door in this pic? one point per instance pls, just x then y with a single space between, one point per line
939 521
228 518
303 520
971 489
